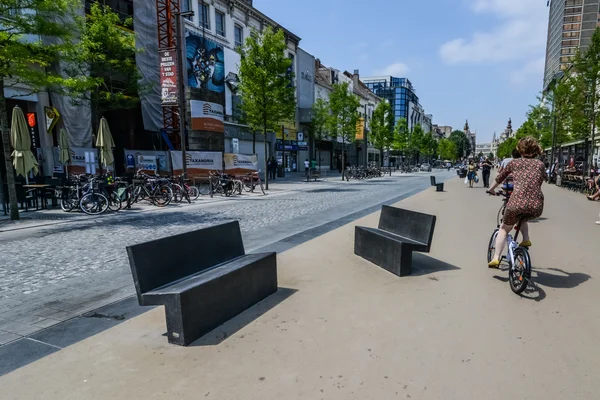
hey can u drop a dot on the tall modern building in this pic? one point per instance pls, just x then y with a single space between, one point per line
570 27
399 92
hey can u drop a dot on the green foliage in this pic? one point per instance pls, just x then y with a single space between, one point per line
320 117
382 131
344 112
506 148
480 155
401 136
265 90
106 52
447 149
491 156
462 143
428 145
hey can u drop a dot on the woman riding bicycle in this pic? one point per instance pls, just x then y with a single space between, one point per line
527 198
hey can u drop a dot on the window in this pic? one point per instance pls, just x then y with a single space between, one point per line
571 27
187 6
238 34
220 23
567 35
204 17
573 18
575 10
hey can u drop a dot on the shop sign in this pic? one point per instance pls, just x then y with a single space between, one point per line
207 116
168 78
360 129
147 164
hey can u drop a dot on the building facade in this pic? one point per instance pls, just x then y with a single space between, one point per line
571 24
401 95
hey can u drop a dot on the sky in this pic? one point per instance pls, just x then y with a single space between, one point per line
481 60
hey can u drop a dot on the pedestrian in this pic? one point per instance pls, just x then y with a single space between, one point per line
486 169
306 166
471 173
596 195
272 166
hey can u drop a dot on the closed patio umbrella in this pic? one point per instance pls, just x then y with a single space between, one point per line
105 143
23 159
65 149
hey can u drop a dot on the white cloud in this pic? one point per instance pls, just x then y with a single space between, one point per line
397 69
519 35
532 70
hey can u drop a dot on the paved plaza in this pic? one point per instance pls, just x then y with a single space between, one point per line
53 273
342 328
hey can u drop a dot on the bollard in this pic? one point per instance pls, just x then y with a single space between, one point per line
432 179
439 187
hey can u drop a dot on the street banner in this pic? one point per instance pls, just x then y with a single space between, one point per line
52 117
84 160
132 161
240 164
207 116
168 78
199 163
360 129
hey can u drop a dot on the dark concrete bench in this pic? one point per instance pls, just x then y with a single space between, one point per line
203 278
400 233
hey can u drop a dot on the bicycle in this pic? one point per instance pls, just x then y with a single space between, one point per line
93 201
519 261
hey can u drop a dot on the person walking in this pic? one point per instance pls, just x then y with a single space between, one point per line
486 169
527 198
306 167
471 173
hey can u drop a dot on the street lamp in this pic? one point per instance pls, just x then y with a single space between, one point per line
181 84
557 77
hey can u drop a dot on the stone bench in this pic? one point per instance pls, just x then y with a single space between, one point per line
203 278
391 245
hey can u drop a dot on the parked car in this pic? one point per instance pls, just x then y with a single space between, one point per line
425 167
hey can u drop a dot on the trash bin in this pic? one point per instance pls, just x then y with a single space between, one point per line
280 172
439 187
432 179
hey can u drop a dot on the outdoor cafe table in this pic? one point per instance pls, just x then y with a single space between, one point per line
40 192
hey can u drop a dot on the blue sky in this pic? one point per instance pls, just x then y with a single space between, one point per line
476 59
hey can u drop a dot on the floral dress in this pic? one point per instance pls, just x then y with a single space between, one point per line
527 197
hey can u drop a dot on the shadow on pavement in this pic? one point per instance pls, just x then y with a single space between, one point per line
331 190
424 265
562 280
533 291
232 326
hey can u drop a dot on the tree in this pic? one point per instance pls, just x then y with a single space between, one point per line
344 116
428 146
320 118
382 128
462 143
265 90
25 59
491 156
506 148
106 52
447 149
401 137
480 155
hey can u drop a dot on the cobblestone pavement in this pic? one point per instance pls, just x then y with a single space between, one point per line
52 273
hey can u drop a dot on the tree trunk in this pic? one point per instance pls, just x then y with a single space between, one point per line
254 142
343 158
380 158
266 160
10 173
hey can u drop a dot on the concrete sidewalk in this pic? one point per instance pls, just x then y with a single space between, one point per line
341 328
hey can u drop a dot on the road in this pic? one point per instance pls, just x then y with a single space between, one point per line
53 273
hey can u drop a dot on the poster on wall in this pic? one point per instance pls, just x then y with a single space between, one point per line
168 78
240 164
205 62
132 159
199 163
83 160
360 129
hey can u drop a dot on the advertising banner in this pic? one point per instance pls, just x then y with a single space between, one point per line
83 160
240 164
199 163
168 78
207 116
205 62
132 161
360 129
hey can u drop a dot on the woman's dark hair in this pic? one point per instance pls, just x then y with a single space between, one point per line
516 154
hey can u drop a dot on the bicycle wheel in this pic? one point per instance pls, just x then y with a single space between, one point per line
178 194
193 192
162 196
114 202
94 203
492 246
262 188
520 273
68 201
249 185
